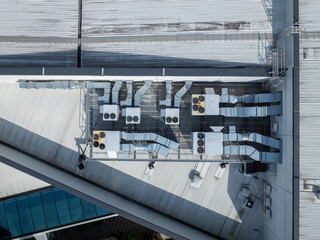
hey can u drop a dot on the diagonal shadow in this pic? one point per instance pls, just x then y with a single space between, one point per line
65 159
110 59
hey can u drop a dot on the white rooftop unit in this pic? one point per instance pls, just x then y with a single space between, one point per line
172 116
133 115
205 104
109 112
209 143
106 142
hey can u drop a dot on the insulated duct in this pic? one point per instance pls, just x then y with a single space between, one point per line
181 92
168 101
245 150
128 101
254 98
106 96
153 147
252 137
115 91
141 92
150 137
251 111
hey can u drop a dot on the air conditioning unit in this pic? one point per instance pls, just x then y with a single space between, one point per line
198 104
109 112
172 116
266 212
133 115
267 188
200 142
267 201
99 141
106 142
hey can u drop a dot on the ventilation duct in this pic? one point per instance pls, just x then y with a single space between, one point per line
60 84
252 137
262 111
254 98
181 92
153 147
245 150
168 101
128 101
150 137
141 92
115 91
106 96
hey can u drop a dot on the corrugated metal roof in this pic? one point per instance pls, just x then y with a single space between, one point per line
41 18
309 119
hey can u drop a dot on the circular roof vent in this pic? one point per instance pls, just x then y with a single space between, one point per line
200 150
195 108
200 135
223 165
151 165
201 110
168 119
135 118
102 146
201 98
95 144
195 100
200 143
112 116
96 136
102 134
129 119
175 119
106 116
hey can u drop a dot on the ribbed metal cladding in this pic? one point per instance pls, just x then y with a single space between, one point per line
43 18
176 33
309 118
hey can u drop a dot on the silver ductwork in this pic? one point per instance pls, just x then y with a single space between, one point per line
141 92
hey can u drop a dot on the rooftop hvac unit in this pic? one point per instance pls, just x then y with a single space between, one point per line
209 143
172 116
110 112
266 211
205 104
267 188
198 105
106 142
98 141
200 142
267 201
133 115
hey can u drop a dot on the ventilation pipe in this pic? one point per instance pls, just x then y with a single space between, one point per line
245 150
252 137
153 147
115 91
150 137
106 96
251 111
254 98
128 101
141 92
168 101
181 92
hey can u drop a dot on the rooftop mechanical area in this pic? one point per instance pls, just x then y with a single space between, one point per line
219 136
